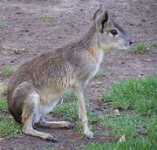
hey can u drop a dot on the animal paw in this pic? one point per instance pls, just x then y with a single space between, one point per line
89 134
51 138
67 124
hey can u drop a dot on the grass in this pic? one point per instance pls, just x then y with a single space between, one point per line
141 47
138 118
47 18
7 71
71 96
69 111
8 127
3 89
135 144
3 46
2 23
128 124
136 100
78 128
138 94
3 107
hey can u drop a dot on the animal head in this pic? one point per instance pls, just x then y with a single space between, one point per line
109 34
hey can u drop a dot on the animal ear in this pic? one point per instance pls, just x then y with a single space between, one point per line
98 11
101 20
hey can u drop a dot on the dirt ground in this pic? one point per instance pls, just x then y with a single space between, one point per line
26 35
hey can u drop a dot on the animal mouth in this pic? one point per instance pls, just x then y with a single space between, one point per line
126 47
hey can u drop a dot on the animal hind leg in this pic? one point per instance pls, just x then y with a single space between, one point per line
30 107
54 124
28 130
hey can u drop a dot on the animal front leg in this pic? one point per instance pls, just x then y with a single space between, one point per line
83 113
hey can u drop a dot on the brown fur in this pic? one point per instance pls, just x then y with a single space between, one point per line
35 87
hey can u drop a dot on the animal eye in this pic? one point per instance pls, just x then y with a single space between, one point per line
114 32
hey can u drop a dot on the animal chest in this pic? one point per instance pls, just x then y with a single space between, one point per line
94 67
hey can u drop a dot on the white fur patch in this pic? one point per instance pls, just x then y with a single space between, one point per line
43 110
96 68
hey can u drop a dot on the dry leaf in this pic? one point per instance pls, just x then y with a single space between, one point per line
122 139
116 112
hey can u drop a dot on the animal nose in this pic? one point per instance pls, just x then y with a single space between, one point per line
130 43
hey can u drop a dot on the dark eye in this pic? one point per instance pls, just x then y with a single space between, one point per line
114 32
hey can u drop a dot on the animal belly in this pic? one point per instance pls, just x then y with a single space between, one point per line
43 110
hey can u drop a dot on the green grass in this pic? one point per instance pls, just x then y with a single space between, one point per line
136 100
151 130
2 23
138 94
141 47
3 107
3 46
138 120
132 125
78 128
69 111
3 89
7 71
8 127
47 18
135 144
71 96
127 124
93 118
